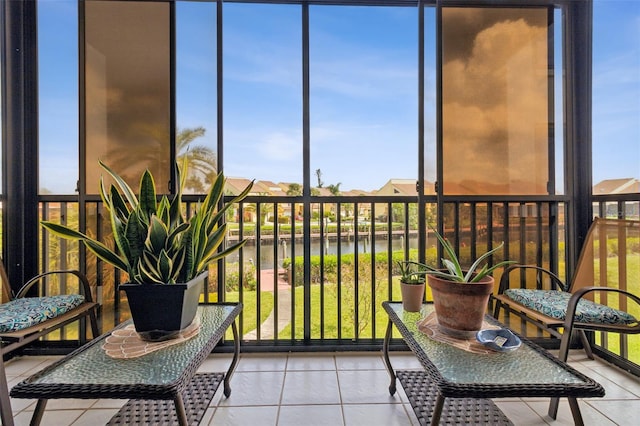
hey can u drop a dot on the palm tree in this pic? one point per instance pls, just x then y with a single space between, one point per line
319 175
294 190
334 189
200 159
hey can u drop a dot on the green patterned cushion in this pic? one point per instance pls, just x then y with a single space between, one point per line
25 312
554 303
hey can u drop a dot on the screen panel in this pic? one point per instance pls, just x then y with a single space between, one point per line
128 90
495 101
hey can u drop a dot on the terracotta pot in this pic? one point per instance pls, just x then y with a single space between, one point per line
412 296
460 307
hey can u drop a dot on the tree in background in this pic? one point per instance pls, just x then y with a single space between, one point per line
200 159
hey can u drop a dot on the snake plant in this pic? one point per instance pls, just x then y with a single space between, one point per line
453 270
154 242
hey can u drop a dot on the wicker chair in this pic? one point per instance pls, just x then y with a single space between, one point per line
25 319
598 297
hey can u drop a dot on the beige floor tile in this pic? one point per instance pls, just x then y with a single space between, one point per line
519 413
70 404
96 416
310 415
50 417
245 416
366 387
311 362
311 388
262 362
623 413
375 415
217 363
109 403
253 388
359 361
26 365
590 415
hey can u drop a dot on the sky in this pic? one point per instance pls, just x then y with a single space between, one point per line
363 88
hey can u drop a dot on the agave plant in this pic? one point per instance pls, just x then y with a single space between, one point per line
412 272
154 242
455 272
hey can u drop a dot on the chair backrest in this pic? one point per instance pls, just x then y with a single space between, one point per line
6 295
610 257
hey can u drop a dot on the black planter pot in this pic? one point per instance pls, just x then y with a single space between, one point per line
161 311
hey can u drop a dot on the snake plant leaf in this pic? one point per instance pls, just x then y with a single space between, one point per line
163 210
147 196
135 233
478 276
212 243
99 249
451 255
165 267
118 205
227 205
148 271
175 209
157 235
178 263
175 237
223 253
124 187
213 196
119 234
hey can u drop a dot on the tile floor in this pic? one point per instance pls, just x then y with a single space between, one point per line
333 389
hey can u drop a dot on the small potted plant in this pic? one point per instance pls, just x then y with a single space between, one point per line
412 284
460 296
165 254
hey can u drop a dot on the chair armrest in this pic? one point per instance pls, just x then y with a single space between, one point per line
556 281
579 294
85 288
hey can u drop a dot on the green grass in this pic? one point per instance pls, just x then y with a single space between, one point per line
249 308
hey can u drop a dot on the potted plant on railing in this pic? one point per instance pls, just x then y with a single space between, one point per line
165 254
412 284
461 296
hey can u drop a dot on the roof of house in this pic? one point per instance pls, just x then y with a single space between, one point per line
617 186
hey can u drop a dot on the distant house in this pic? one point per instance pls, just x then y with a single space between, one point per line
399 187
619 186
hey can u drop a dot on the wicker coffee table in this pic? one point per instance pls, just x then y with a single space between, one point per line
471 378
163 385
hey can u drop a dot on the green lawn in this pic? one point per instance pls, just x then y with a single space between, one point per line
249 308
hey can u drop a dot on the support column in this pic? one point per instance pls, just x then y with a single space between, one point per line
20 139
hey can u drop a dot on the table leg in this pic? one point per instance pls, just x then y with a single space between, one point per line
437 410
553 408
180 410
575 412
37 415
234 361
6 414
385 351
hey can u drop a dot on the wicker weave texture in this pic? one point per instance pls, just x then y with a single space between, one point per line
422 395
196 396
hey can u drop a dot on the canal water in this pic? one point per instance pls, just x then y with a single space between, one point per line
284 249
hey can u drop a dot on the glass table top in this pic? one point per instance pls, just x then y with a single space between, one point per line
91 365
522 366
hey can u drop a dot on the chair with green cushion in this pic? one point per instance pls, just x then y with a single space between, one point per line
599 297
24 319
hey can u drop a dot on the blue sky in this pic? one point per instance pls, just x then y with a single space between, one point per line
363 91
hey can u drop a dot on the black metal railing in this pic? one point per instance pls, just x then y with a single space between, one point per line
318 281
